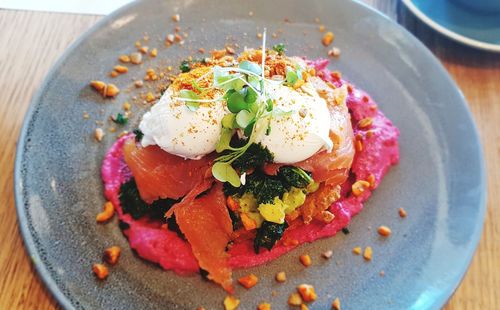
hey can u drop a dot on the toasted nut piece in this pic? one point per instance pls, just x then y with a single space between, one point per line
126 106
99 134
217 54
136 58
259 35
365 122
154 52
402 212
359 187
112 254
295 299
231 303
357 250
100 271
137 44
201 50
139 83
371 179
307 292
336 304
328 38
334 52
100 86
230 50
112 90
107 213
290 242
305 260
327 254
177 37
120 69
144 49
384 231
321 28
327 216
124 58
358 145
170 38
176 18
367 254
200 308
281 276
248 281
114 74
264 306
150 97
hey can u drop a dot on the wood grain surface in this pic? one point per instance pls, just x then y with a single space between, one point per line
31 42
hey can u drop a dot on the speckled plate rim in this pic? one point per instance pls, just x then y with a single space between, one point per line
29 243
448 33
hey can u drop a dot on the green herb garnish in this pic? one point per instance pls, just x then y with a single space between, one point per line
185 66
295 176
138 135
280 48
120 119
268 234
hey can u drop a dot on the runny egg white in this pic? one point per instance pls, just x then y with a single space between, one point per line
299 128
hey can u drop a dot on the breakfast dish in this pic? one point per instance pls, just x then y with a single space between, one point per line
243 158
59 191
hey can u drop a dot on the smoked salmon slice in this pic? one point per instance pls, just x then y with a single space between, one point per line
207 226
160 175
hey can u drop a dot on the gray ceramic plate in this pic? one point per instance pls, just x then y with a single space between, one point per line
440 180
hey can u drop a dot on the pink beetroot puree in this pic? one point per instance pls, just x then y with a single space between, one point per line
159 245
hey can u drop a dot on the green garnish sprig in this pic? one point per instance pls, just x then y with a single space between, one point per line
250 106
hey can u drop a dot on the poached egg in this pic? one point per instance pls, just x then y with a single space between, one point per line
300 127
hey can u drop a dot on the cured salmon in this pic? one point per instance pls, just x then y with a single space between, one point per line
207 226
160 175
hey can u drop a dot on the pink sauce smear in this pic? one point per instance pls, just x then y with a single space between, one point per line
164 247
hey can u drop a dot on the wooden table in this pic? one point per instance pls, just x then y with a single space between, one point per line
31 42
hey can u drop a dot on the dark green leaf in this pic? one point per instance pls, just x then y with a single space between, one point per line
280 48
185 66
256 156
249 129
295 176
120 119
268 234
138 135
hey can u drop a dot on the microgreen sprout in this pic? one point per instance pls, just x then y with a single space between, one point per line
250 106
280 48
